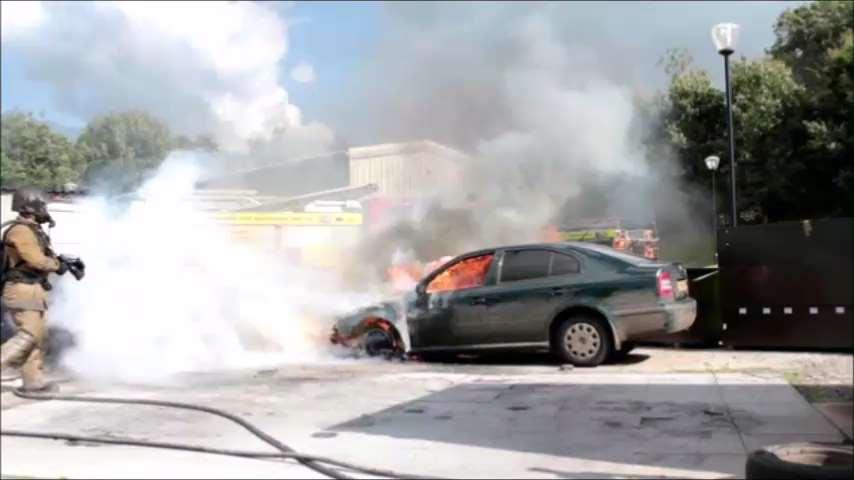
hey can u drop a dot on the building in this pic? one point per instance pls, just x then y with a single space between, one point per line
405 170
399 170
309 209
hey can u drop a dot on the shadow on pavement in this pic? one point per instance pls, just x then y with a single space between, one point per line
523 358
826 393
698 424
560 474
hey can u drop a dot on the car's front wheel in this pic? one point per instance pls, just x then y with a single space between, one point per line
378 342
583 341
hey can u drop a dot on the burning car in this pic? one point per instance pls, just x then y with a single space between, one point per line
583 302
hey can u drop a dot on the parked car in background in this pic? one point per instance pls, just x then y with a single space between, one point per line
584 302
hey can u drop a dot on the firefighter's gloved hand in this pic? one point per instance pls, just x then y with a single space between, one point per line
73 265
63 267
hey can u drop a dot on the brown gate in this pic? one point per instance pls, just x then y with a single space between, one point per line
788 284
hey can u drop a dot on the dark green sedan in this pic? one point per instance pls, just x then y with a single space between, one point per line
584 302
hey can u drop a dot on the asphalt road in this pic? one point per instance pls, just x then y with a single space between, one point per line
491 417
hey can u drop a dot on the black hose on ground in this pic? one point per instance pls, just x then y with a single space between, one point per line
285 452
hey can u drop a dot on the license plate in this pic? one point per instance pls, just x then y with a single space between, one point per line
682 285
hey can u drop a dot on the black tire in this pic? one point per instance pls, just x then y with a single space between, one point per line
820 461
377 342
583 341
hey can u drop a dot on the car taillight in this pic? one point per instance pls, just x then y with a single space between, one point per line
665 285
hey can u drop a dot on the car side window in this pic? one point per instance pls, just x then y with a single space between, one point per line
564 264
524 265
468 273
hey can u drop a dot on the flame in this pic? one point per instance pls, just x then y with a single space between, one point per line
435 264
550 234
405 276
465 274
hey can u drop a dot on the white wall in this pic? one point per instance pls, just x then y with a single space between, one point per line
405 170
6 212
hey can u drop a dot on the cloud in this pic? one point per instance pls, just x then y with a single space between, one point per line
303 73
205 67
20 16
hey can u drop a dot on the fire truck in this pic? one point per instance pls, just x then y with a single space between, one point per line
636 237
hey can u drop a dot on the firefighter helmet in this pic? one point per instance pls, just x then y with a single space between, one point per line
31 201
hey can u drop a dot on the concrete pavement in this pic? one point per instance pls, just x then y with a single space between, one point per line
471 421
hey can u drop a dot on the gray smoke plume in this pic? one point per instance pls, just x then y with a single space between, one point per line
549 120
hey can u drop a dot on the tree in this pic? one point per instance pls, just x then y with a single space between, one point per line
123 148
32 154
766 102
816 41
806 35
791 114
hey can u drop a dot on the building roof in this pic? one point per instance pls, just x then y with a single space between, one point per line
383 149
297 202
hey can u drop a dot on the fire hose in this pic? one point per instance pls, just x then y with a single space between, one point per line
314 462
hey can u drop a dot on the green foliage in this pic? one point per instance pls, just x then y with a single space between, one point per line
807 34
32 154
123 148
791 114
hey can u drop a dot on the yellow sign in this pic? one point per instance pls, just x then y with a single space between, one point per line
590 235
291 218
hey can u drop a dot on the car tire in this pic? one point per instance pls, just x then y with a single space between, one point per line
813 460
378 342
583 341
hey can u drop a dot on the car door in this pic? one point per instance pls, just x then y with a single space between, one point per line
450 308
531 285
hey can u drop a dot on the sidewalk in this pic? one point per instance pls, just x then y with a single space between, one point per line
574 424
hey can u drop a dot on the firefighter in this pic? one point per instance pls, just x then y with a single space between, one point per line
621 241
28 259
650 246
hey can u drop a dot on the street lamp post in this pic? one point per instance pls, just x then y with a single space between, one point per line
725 36
712 163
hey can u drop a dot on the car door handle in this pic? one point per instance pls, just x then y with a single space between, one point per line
557 291
479 301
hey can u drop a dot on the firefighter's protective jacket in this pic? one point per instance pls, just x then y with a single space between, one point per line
30 260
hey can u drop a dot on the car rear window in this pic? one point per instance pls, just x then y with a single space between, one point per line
525 264
626 257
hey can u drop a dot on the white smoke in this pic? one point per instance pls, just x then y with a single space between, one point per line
303 73
19 16
205 67
169 290
541 116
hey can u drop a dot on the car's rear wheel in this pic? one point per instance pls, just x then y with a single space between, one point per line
583 341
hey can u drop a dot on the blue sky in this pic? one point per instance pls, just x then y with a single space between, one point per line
340 38
333 37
